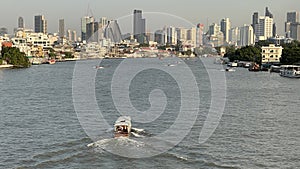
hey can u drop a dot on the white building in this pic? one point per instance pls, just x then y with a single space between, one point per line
199 35
264 28
234 36
171 35
216 37
247 36
182 34
271 54
192 35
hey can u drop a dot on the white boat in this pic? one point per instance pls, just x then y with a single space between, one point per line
275 69
122 127
229 69
292 71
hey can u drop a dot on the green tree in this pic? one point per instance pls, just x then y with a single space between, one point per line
247 53
13 56
291 53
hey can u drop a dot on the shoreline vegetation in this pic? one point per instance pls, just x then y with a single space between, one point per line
290 52
11 57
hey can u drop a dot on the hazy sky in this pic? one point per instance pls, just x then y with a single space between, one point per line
157 12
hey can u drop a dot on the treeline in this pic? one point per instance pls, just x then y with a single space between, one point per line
290 53
14 57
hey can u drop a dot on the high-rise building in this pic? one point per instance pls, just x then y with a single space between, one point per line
103 22
3 31
292 17
84 21
199 35
254 20
74 36
214 29
295 31
192 35
234 36
40 24
92 32
113 32
216 37
71 35
61 28
246 35
171 35
21 23
264 29
268 13
225 27
160 37
139 26
181 34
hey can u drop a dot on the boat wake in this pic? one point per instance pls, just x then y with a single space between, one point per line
139 133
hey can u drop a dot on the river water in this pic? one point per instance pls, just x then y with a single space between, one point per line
40 128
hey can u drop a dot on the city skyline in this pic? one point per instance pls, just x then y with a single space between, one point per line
193 11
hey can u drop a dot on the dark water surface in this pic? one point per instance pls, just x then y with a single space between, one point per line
39 127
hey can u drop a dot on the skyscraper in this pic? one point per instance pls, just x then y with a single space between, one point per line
225 27
254 20
192 35
113 32
61 28
181 34
171 35
84 21
295 31
234 36
103 22
269 14
292 18
199 35
92 31
21 22
40 24
264 29
160 37
71 35
139 26
246 35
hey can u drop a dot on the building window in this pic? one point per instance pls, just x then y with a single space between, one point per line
271 56
264 56
272 51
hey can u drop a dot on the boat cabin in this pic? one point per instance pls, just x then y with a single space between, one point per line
122 127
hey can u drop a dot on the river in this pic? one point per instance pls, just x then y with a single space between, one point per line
41 128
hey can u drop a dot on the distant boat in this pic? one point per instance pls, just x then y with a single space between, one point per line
122 127
99 67
51 61
291 71
275 69
228 69
233 64
254 67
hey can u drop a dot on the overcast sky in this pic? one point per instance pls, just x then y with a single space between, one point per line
157 12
